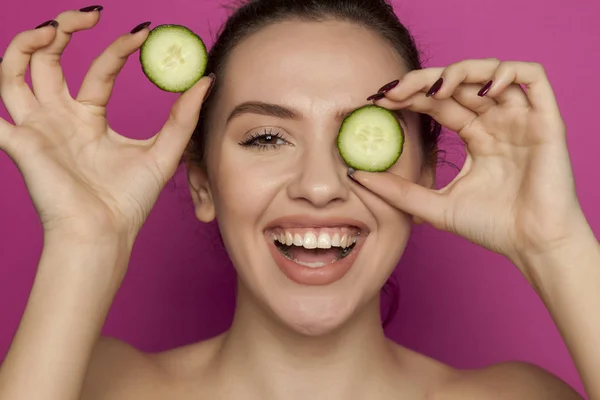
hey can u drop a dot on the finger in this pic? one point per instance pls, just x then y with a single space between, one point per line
467 95
16 94
511 95
442 82
447 112
511 74
482 72
173 138
46 72
99 81
420 202
5 132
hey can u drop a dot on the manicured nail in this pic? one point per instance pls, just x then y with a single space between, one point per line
376 96
389 86
91 8
212 83
435 88
485 89
141 26
1 59
350 173
51 23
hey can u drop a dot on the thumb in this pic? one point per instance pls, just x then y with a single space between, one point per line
174 136
422 203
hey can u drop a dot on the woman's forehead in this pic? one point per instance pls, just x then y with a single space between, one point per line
293 57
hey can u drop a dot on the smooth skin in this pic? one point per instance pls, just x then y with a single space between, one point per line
515 195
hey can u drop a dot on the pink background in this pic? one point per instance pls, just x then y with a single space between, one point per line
459 303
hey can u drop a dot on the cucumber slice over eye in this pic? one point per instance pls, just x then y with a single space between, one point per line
370 139
173 58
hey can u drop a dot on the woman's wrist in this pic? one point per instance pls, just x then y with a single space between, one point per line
110 241
99 257
578 250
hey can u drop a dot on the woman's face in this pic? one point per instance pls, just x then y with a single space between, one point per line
275 175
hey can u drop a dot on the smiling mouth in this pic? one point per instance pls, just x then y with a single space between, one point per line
315 248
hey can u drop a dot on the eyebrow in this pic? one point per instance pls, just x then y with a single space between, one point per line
282 112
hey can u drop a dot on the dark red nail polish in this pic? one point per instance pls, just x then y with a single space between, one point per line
376 96
435 88
485 89
351 176
388 86
51 23
91 8
212 83
141 26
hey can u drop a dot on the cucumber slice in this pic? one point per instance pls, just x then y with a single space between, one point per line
371 139
173 58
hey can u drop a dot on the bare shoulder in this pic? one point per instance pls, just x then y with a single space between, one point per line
119 371
511 380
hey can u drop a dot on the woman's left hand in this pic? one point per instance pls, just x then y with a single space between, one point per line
515 194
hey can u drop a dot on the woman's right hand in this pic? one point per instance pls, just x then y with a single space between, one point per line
84 178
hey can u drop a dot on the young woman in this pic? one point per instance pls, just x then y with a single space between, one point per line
263 161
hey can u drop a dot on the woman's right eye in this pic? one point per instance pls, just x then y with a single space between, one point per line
265 140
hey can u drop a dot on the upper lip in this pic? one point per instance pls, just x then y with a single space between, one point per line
308 221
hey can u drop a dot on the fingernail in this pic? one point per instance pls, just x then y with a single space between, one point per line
1 59
388 86
91 8
212 83
51 23
435 88
485 89
376 96
351 172
141 26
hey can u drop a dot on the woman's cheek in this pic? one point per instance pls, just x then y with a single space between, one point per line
249 183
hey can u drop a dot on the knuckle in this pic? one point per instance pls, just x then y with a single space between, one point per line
21 40
410 75
26 43
452 69
63 16
538 68
506 66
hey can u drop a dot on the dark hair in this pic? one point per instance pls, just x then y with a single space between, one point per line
253 15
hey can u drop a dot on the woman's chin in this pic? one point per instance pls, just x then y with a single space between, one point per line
314 316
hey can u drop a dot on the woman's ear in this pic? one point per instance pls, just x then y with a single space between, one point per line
201 193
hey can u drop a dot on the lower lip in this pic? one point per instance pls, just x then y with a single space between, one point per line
325 275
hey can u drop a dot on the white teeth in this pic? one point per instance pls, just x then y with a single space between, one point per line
289 239
335 240
310 240
324 241
298 241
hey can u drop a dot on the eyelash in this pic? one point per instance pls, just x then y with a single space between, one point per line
252 141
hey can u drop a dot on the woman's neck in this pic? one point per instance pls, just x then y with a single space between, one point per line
273 361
